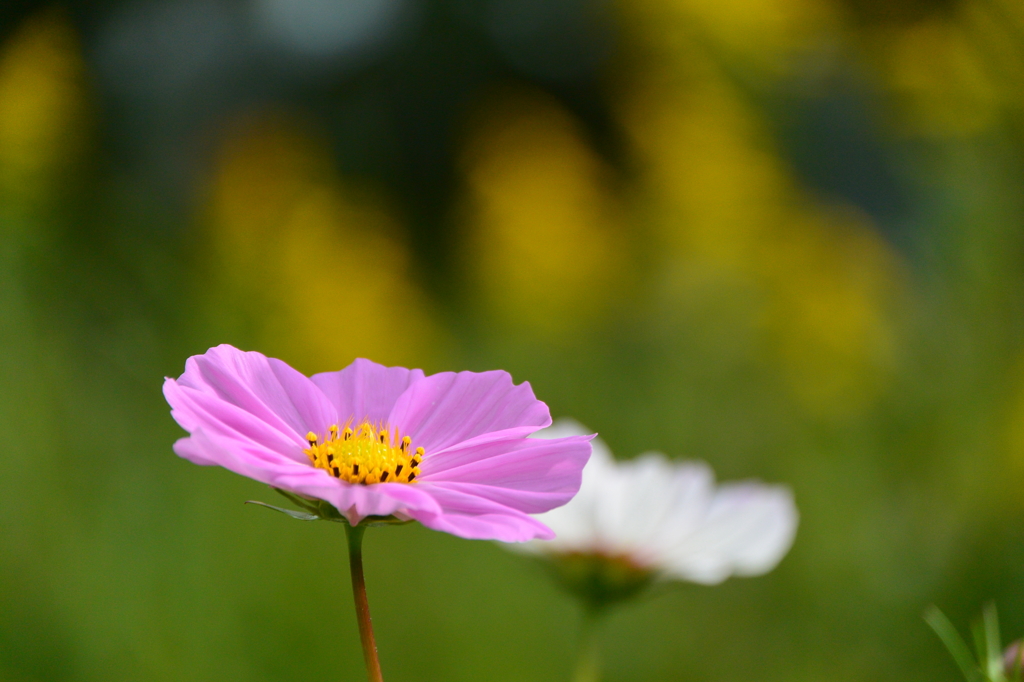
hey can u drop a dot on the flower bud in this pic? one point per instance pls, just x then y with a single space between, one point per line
1012 663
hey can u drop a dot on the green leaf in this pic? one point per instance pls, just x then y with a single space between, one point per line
993 647
955 644
980 647
301 516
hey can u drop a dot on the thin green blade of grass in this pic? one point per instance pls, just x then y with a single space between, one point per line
980 648
993 644
955 644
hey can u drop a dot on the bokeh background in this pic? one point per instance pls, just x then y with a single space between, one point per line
782 236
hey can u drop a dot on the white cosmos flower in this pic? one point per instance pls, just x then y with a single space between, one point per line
667 518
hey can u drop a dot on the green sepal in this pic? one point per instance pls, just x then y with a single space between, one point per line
375 521
307 504
327 512
301 516
321 510
597 580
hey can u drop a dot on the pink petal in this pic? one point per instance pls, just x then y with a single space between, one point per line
196 410
539 465
366 390
447 408
241 456
476 518
267 388
187 448
528 501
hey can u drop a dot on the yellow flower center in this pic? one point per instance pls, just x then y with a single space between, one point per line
366 454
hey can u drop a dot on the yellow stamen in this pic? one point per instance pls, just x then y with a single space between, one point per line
367 454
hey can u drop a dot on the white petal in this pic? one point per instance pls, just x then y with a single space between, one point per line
641 515
682 496
747 529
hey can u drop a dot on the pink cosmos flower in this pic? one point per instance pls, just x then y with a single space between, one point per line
449 450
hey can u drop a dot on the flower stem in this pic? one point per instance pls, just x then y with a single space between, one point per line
355 562
588 664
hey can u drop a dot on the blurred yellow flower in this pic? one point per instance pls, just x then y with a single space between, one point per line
940 78
819 282
765 34
42 101
318 269
545 241
1013 430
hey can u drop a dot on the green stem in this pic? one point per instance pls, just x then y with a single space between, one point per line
355 562
588 665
